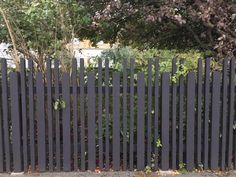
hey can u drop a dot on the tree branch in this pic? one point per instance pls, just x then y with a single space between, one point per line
10 31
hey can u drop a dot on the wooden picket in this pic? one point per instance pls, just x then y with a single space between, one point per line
173 116
131 128
91 122
82 119
149 115
116 122
49 115
23 116
190 118
75 113
16 133
100 112
215 125
156 119
31 115
5 116
231 113
140 122
57 116
206 111
40 114
165 121
199 113
66 123
224 113
181 115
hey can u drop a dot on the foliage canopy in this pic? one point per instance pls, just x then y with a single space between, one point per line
43 28
173 24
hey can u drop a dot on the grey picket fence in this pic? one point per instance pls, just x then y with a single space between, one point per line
57 121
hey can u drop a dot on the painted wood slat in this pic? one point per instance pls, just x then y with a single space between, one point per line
75 113
57 116
82 121
190 121
31 114
199 112
16 133
173 116
116 122
107 119
91 122
181 114
23 114
49 115
131 128
66 122
124 114
140 122
165 121
215 120
41 134
1 146
149 114
206 112
225 80
100 112
157 113
231 113
5 115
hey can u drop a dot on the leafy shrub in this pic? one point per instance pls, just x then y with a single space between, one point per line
116 56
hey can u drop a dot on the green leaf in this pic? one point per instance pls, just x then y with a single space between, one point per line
56 104
62 104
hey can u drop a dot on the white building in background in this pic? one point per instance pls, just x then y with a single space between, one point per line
85 50
81 49
5 55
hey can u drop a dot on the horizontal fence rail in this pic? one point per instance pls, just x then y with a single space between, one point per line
104 119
